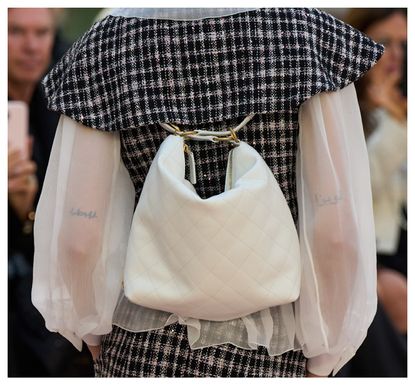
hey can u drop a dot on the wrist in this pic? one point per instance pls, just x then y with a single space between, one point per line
309 374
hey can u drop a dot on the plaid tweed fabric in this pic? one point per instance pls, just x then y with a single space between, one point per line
128 74
166 353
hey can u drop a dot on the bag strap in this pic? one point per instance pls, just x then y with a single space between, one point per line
200 135
212 136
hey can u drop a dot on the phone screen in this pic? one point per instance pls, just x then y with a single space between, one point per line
18 126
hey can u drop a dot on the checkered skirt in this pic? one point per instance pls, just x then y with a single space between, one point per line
166 353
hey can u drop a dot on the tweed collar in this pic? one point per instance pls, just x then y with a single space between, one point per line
127 71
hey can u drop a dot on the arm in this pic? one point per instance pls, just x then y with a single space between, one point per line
81 231
338 300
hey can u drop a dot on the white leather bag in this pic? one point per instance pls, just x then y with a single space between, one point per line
218 258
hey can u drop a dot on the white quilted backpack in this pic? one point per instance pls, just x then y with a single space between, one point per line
218 258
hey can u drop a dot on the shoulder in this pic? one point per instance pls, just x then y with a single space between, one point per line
341 54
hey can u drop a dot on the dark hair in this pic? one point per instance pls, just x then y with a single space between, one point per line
362 19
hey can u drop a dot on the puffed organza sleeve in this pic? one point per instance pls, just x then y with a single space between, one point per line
338 300
81 230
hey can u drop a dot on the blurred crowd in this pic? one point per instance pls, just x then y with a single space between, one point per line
35 43
383 105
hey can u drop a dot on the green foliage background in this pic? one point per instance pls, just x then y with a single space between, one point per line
73 22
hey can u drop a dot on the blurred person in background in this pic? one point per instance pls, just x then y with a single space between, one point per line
33 46
382 99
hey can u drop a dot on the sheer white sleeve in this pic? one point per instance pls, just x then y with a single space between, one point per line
338 297
81 230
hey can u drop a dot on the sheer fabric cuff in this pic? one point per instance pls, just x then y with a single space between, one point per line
327 364
322 365
92 339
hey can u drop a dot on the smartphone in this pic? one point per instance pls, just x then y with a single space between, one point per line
18 122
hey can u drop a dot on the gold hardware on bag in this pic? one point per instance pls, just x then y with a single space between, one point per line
186 148
233 135
186 135
180 132
229 138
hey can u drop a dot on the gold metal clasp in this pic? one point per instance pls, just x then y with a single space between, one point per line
186 148
233 135
230 138
182 133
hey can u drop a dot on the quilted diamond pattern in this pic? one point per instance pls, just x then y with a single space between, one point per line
218 258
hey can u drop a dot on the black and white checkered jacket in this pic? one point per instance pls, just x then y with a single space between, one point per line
128 74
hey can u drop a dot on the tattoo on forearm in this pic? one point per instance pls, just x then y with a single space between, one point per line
87 214
328 200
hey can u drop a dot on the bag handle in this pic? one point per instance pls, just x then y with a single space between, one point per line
199 135
212 136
